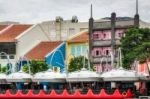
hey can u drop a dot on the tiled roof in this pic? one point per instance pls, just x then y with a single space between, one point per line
10 34
2 27
41 50
81 37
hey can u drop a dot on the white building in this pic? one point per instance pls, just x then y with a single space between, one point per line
60 30
16 40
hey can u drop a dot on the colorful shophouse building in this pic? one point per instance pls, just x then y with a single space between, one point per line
77 45
104 36
9 43
53 53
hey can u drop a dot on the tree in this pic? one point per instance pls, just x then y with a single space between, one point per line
3 69
77 63
135 46
35 66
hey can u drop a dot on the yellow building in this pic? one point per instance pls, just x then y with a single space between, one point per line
77 45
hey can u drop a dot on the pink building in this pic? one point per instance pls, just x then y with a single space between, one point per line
104 36
102 48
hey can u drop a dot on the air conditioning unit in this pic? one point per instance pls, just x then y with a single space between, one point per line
74 19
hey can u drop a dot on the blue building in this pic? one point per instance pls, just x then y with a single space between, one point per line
53 53
56 58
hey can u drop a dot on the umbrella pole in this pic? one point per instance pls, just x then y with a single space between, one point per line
70 86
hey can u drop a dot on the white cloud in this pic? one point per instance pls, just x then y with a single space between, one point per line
28 11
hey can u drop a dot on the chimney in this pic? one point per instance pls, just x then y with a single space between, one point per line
113 25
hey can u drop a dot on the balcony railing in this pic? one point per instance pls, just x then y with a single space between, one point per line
97 59
99 43
107 24
10 56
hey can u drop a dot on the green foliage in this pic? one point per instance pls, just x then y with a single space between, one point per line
36 66
3 69
77 63
25 68
135 46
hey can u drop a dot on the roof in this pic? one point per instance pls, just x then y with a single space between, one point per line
41 50
79 37
10 34
2 27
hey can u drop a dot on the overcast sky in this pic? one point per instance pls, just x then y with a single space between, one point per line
34 11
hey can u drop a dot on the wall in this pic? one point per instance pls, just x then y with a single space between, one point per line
102 68
101 50
51 28
143 68
29 39
4 62
72 50
57 57
106 34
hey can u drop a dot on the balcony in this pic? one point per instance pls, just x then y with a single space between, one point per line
5 59
107 24
97 59
99 43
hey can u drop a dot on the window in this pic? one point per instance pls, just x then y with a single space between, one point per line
104 35
11 57
97 53
71 31
107 52
96 36
119 35
79 50
4 57
84 49
73 50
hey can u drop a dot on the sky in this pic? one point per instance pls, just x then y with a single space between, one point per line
35 11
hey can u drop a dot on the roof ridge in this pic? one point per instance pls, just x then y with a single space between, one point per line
6 29
50 41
